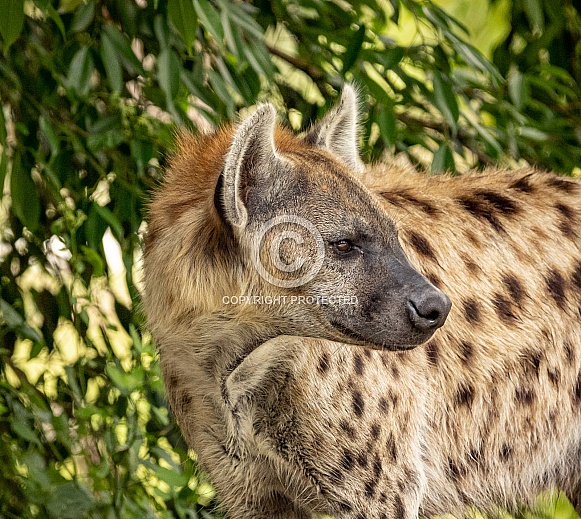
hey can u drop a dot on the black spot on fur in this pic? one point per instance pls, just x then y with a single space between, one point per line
336 475
524 395
567 186
434 280
505 452
556 287
523 184
467 351
577 391
348 460
501 203
471 265
392 448
347 429
422 204
565 211
472 311
476 455
377 470
358 403
455 471
358 361
392 198
503 308
514 287
398 508
576 277
433 352
362 459
473 238
374 431
567 228
421 245
186 399
383 406
569 352
534 362
464 395
395 372
481 210
370 488
324 363
345 507
554 376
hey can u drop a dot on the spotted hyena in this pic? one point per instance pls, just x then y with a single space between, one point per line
324 404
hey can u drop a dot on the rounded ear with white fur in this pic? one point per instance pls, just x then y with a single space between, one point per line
251 158
337 132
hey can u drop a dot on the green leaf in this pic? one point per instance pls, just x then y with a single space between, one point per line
123 50
443 159
16 322
3 169
106 214
3 133
83 16
445 100
210 19
69 501
24 430
95 259
353 49
126 382
111 63
387 125
182 14
11 20
56 18
49 133
168 73
259 58
518 89
25 202
80 70
534 12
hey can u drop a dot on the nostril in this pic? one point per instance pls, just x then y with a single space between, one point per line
434 315
429 311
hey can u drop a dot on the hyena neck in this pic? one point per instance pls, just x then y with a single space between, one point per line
220 342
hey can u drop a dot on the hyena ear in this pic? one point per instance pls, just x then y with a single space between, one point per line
251 158
337 132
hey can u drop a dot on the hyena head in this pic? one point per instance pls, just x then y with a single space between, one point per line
256 211
317 238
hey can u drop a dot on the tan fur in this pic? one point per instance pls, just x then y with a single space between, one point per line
486 414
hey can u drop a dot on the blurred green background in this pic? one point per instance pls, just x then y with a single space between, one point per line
91 93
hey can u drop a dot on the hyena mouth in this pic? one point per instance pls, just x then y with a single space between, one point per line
360 340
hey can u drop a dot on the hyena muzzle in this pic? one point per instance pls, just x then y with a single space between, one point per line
271 260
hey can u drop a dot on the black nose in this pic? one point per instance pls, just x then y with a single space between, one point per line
428 310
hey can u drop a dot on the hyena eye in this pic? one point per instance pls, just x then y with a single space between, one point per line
343 246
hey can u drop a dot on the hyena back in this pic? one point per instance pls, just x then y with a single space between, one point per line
487 413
